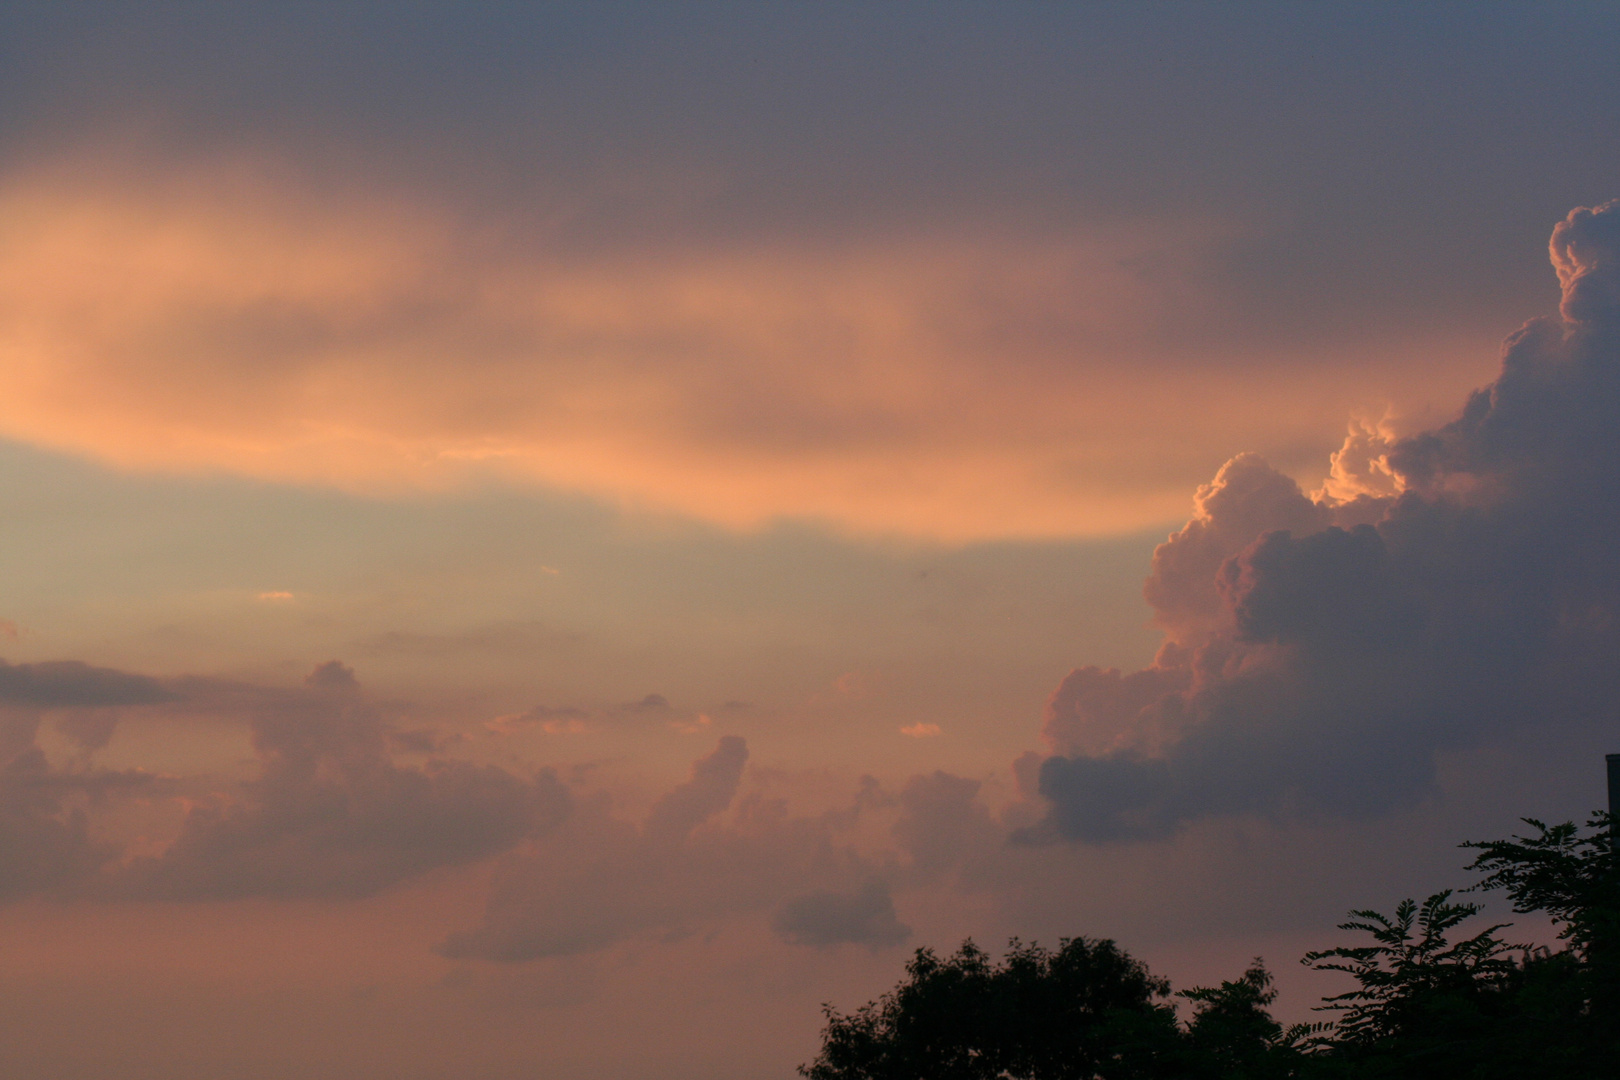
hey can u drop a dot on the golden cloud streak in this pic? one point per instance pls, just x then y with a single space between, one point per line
954 389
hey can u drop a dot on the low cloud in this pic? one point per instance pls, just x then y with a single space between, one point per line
46 844
710 790
941 820
332 675
57 684
1321 652
705 853
602 879
331 813
863 917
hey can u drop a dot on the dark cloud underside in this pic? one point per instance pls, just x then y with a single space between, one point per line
1322 653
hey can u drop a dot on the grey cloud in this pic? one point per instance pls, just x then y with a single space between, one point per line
940 818
1321 654
1585 250
1246 497
331 814
332 675
1095 711
710 790
45 840
863 917
600 879
420 740
43 844
1326 591
66 683
90 729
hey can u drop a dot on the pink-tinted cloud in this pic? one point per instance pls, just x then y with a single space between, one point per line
331 813
1443 588
954 384
46 843
565 720
703 856
864 916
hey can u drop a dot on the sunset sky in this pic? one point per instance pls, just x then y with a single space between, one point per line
549 541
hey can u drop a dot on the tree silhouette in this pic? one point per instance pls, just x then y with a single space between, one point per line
1232 1035
1425 1007
1569 1001
1425 1004
1087 1010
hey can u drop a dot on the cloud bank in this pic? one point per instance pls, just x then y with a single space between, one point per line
332 815
704 854
1321 651
329 813
61 683
602 879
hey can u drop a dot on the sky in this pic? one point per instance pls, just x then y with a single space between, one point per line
554 540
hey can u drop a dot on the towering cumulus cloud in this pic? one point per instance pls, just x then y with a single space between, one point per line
1320 652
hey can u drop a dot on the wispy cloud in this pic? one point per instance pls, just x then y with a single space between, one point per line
951 384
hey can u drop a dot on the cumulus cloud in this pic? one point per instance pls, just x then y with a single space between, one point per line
1320 652
710 790
45 844
704 853
602 878
332 675
331 813
822 918
45 839
941 818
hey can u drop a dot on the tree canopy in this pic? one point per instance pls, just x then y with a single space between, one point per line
1431 999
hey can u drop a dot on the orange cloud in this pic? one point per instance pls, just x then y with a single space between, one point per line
959 388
